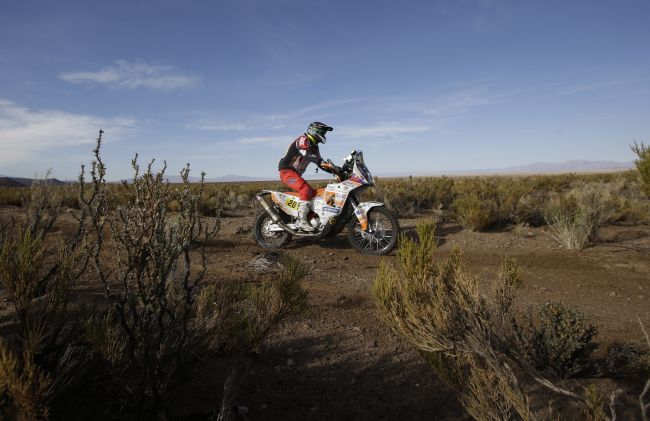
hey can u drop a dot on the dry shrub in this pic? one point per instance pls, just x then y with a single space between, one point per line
26 386
161 315
212 206
37 280
633 212
236 316
560 340
530 208
574 220
477 202
626 357
13 196
474 213
569 227
473 342
594 405
406 197
642 164
438 309
42 207
150 283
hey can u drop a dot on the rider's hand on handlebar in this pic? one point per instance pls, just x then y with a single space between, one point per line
329 166
332 169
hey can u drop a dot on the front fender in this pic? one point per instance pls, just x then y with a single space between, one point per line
361 212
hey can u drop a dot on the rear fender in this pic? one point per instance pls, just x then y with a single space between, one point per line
361 212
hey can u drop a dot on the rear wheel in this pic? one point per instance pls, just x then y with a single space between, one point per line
380 237
263 234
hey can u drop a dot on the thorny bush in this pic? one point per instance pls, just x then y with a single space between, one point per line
162 315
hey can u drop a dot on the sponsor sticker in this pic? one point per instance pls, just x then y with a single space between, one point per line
291 203
331 209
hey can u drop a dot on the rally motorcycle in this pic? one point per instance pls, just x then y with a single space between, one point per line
372 229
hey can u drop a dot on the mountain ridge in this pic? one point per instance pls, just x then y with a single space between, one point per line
573 166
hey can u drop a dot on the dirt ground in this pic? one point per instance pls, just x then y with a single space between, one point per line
338 361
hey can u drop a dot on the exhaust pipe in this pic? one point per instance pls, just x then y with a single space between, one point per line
276 219
273 214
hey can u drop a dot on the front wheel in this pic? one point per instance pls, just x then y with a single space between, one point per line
380 237
263 234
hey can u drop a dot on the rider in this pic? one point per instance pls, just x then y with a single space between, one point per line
300 153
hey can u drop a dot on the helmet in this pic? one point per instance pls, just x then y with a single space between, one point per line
316 131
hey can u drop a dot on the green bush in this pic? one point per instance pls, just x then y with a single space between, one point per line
561 341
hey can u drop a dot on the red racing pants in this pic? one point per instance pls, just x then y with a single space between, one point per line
295 182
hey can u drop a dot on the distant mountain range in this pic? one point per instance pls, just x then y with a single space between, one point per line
569 166
577 166
536 168
25 182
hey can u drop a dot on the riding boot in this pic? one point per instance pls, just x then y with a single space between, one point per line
303 212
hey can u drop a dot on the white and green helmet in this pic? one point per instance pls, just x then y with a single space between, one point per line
316 131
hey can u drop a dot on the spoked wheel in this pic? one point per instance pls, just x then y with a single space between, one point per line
267 238
381 235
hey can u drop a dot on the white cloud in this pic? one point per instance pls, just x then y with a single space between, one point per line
217 126
134 74
382 130
461 102
594 86
264 140
269 121
26 133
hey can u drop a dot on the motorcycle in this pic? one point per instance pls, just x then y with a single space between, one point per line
372 228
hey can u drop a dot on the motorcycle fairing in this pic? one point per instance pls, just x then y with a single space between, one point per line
329 202
361 212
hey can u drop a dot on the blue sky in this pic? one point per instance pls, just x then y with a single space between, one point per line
226 85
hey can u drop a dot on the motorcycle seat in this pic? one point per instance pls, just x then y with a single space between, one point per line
317 192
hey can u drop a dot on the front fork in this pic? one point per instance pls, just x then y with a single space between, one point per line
360 214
